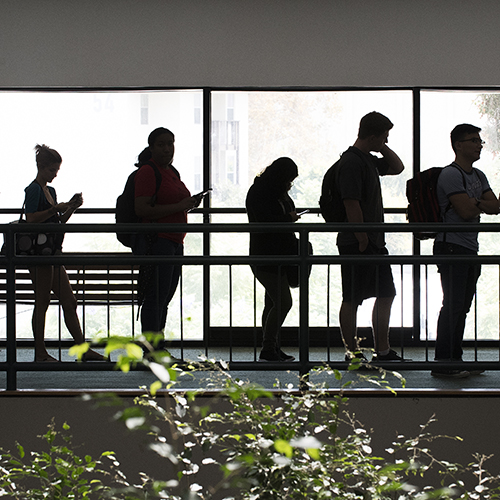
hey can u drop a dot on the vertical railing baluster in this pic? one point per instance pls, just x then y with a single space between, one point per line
11 309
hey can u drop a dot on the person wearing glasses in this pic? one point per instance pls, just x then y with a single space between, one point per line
463 193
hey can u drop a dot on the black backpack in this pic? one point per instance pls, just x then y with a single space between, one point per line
423 205
331 205
125 203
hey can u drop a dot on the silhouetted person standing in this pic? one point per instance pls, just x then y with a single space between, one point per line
357 184
463 194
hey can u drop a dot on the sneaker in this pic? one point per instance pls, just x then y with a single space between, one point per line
350 355
390 356
361 363
270 356
450 373
160 356
284 356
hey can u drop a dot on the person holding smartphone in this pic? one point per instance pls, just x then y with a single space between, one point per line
268 201
160 197
41 206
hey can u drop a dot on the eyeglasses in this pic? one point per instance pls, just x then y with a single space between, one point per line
475 140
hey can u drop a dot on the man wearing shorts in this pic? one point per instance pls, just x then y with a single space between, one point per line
357 183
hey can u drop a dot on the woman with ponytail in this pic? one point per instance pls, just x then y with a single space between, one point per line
41 206
160 197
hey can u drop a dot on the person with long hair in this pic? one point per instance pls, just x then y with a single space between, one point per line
167 203
268 201
41 206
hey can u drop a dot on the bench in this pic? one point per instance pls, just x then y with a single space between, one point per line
92 284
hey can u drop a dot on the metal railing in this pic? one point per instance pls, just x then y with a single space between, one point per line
305 334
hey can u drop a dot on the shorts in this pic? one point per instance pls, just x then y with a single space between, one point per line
360 282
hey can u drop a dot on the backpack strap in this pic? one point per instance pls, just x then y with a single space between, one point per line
448 207
361 155
455 165
158 178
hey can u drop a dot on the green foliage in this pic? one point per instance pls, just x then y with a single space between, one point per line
57 472
252 444
489 107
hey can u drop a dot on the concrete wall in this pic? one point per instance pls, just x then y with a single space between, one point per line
248 42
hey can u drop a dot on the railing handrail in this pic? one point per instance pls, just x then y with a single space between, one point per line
11 261
264 227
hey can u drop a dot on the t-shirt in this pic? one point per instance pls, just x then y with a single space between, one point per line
172 190
358 178
454 180
35 200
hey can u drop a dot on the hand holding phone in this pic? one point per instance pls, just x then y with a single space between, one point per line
199 197
202 194
76 200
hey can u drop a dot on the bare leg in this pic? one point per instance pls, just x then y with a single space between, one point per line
348 325
62 289
380 320
41 276
64 293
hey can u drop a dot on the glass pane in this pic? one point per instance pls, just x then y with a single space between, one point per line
440 112
251 129
99 135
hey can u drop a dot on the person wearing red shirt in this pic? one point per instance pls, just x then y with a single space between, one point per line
173 201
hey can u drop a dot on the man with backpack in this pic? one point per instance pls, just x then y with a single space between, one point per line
352 185
463 193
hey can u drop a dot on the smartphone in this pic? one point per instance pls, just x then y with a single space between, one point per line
303 212
202 194
200 197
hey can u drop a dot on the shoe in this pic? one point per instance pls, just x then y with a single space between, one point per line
390 356
471 372
450 373
350 355
285 357
476 372
160 355
273 355
358 361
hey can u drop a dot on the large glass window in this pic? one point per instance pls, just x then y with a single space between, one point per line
251 129
99 136
441 111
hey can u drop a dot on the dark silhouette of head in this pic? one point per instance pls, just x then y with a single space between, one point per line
279 176
461 131
46 156
374 123
145 155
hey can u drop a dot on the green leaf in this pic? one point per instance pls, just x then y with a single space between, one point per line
283 447
313 453
155 387
79 350
134 351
